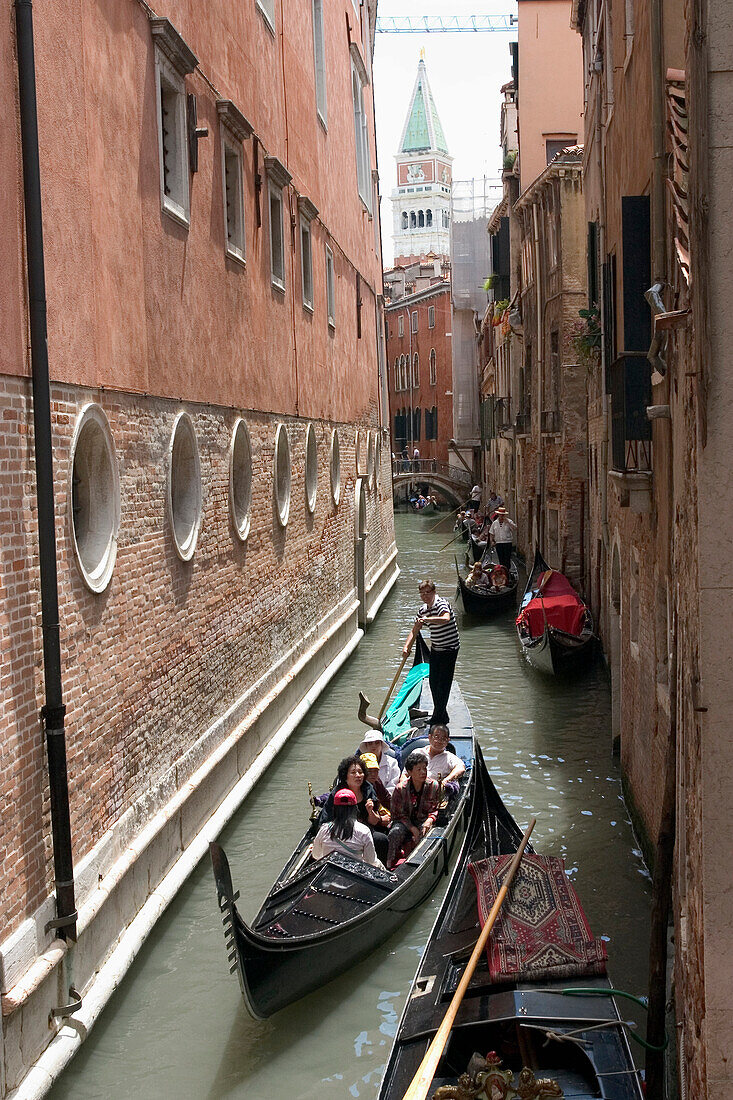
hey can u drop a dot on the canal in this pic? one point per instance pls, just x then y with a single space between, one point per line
177 1027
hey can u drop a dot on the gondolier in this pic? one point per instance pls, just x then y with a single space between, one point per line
501 534
438 616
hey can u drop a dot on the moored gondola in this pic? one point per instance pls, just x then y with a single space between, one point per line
321 917
566 1032
484 602
554 625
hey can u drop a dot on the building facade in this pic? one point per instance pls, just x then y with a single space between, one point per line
219 419
658 186
420 365
421 199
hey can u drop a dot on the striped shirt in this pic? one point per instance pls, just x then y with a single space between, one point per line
442 635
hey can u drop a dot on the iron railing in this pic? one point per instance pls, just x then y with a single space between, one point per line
502 419
523 423
551 421
429 466
631 430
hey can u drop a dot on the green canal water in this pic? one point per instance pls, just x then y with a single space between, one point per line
177 1027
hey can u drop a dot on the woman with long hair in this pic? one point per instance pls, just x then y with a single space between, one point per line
344 833
351 775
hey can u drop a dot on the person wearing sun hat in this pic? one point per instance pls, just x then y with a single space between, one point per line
344 834
371 771
389 769
501 534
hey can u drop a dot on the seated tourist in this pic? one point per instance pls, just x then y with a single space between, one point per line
344 833
476 578
371 771
351 775
389 769
499 578
442 764
415 804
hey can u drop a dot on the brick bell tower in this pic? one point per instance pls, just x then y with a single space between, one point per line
421 199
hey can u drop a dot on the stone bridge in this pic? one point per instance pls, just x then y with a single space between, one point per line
452 482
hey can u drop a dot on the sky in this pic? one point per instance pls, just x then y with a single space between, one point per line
465 71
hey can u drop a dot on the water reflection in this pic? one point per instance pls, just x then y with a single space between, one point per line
177 1027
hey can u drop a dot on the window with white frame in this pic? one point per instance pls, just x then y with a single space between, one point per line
433 370
400 326
431 316
306 263
232 171
267 7
414 321
307 213
397 374
319 53
361 137
330 289
173 62
278 177
234 129
415 370
277 240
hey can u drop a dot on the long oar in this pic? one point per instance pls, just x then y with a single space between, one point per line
458 535
444 518
391 686
420 1084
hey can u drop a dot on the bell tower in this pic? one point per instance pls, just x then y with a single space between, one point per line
421 199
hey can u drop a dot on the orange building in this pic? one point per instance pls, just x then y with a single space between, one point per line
220 438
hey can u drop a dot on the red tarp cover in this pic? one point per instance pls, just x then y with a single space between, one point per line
563 607
541 931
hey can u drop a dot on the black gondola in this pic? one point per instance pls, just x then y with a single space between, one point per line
481 601
554 626
322 917
520 1023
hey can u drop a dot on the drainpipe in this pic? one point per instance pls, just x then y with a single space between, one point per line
540 380
53 711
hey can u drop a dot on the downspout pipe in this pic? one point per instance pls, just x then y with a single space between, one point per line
53 710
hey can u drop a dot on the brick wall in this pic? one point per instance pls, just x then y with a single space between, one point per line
152 662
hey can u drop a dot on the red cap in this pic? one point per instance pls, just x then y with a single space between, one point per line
344 797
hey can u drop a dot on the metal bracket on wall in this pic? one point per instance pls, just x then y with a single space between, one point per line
69 1009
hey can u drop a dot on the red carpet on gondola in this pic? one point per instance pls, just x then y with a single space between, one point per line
541 931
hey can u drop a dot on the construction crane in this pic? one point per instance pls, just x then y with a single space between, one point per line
444 24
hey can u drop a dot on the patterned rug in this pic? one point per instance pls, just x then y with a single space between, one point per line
541 931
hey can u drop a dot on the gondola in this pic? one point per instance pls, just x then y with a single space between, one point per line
554 625
321 917
482 602
428 509
519 1022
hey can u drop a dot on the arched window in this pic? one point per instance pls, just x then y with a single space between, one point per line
420 218
404 219
413 220
433 370
397 374
428 217
416 370
434 418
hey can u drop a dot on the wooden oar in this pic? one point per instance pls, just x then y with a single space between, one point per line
420 1084
444 518
391 686
457 535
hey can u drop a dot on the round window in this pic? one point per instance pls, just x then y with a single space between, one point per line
184 487
240 479
281 474
361 453
95 498
335 467
371 457
311 468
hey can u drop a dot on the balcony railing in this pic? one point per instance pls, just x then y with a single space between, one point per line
551 421
523 423
631 430
502 418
